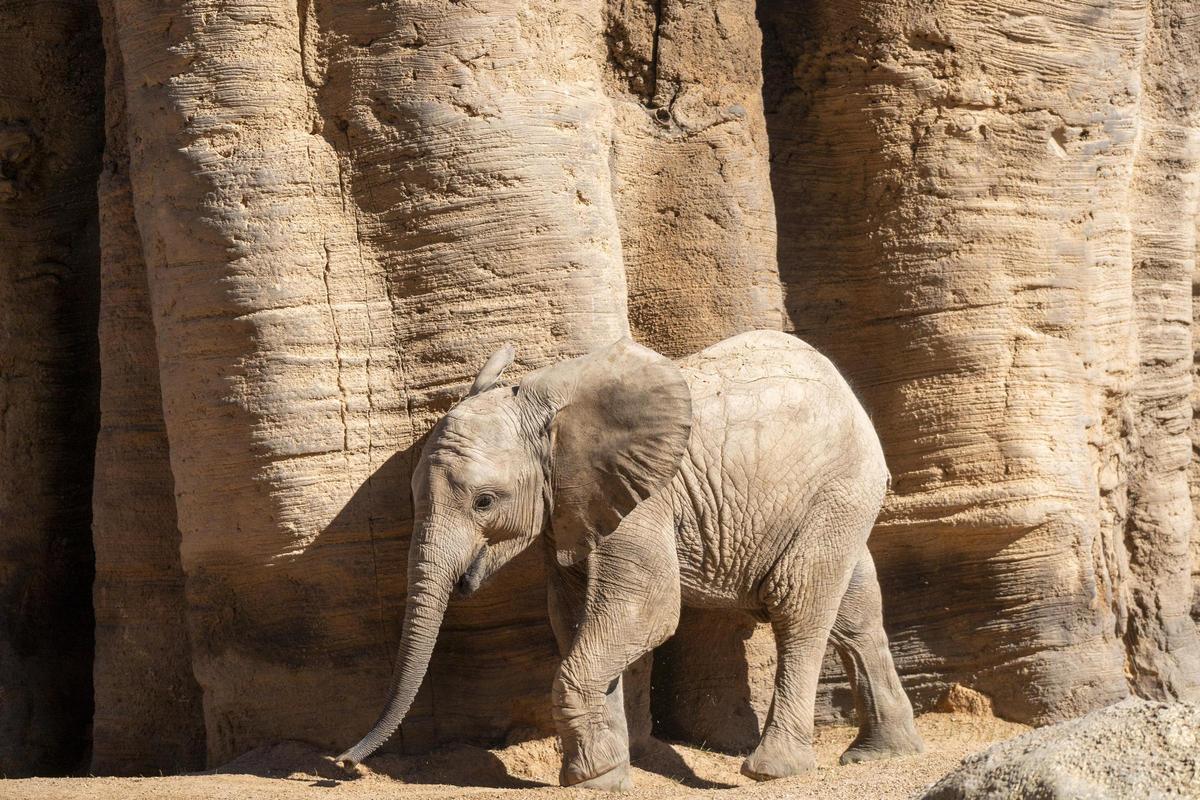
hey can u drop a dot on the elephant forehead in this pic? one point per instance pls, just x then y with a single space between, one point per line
475 443
470 470
477 430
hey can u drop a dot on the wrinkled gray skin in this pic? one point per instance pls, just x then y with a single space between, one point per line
747 476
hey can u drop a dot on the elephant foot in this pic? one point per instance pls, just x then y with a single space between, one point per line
617 779
599 759
770 761
885 742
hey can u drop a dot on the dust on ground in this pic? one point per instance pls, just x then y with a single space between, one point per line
529 771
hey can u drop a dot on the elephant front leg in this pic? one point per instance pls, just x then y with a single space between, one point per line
595 750
631 605
566 596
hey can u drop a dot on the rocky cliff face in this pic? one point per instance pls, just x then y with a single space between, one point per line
148 716
50 145
316 220
987 217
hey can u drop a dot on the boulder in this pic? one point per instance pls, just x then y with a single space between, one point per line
1135 749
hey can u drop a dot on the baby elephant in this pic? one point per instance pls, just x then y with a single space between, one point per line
746 476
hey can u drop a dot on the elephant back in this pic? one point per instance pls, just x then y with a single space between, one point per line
765 388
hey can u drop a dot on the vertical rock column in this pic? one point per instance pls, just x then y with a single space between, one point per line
147 717
474 142
692 185
1161 640
237 207
343 208
961 234
50 142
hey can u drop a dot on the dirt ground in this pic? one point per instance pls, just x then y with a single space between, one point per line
528 771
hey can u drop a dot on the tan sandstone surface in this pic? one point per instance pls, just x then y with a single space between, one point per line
316 219
528 771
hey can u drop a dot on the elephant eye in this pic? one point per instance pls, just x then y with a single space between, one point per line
484 501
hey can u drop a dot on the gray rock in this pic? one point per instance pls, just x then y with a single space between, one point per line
1135 749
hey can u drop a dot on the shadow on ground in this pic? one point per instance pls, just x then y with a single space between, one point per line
528 765
460 765
664 759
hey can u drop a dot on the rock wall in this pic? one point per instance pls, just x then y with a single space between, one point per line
987 219
691 179
343 209
50 144
1164 207
318 219
147 717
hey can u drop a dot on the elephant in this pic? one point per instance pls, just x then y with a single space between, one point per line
746 476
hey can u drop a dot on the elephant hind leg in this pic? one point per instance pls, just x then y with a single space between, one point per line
885 717
800 598
786 745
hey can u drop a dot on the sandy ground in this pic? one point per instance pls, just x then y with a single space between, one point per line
528 771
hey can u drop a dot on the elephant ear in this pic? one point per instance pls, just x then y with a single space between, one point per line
492 370
618 437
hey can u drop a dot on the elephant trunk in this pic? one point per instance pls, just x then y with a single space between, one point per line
429 590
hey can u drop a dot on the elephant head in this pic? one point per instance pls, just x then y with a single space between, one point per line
568 452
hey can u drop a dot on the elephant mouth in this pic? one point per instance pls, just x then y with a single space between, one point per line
471 579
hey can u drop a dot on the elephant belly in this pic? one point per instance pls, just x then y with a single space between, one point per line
780 453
